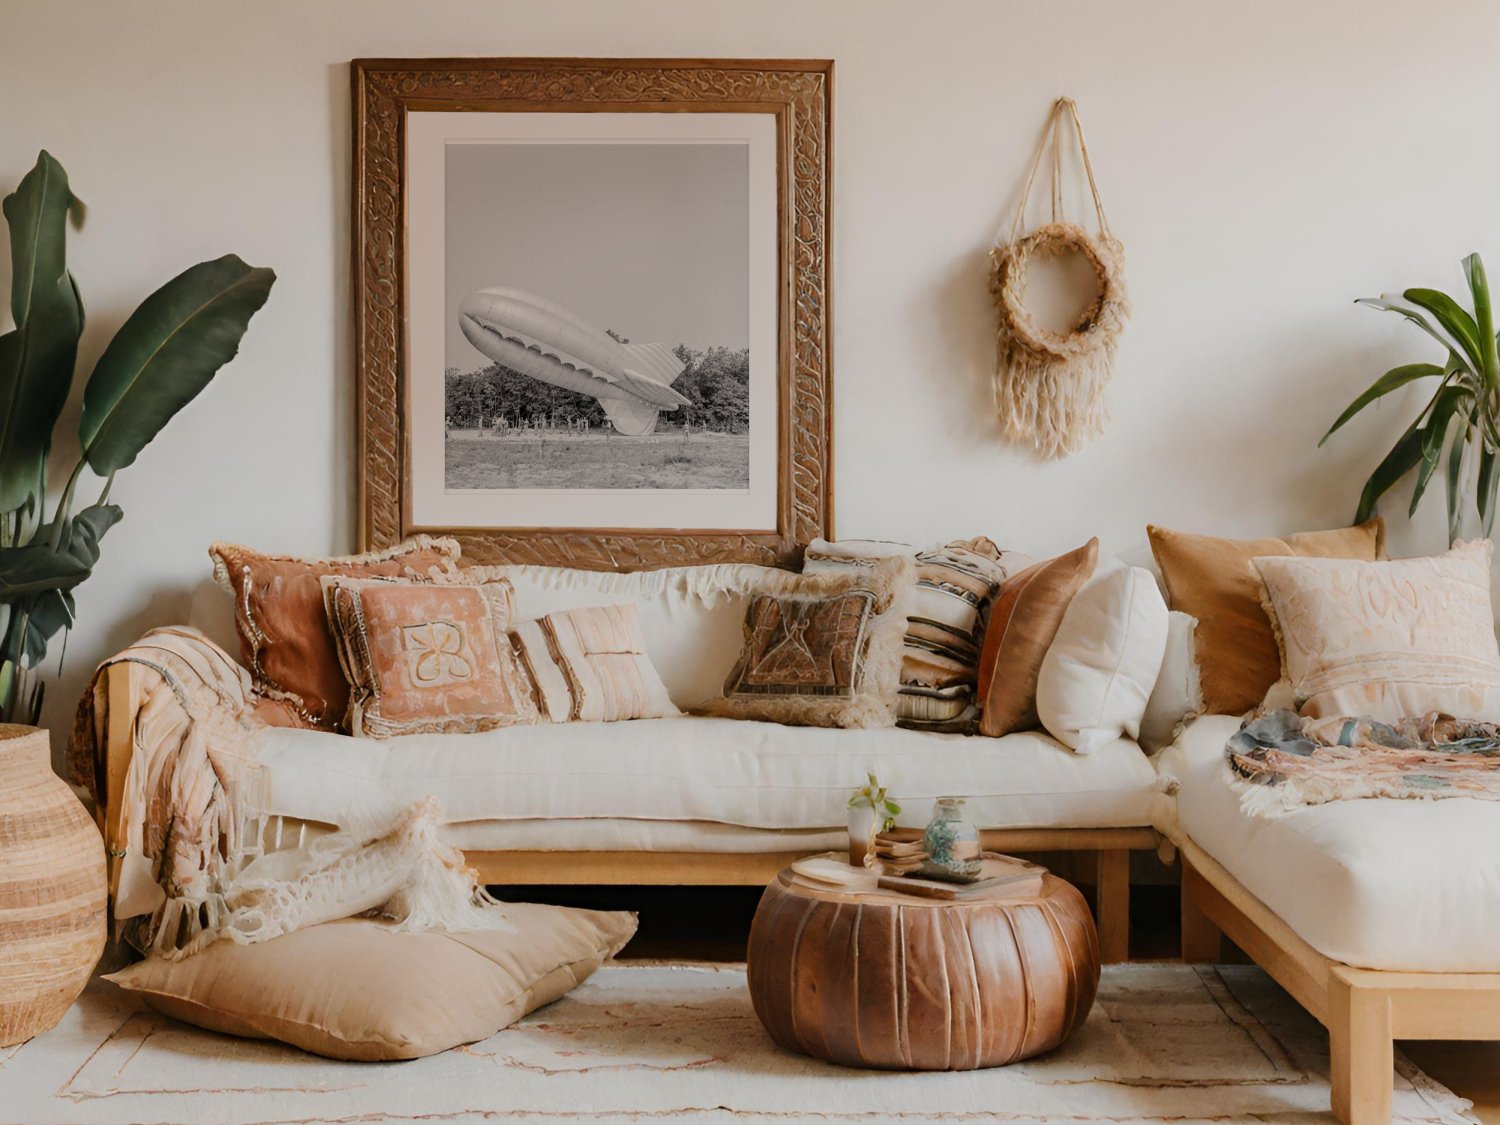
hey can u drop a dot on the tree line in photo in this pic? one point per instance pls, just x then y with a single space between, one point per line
716 383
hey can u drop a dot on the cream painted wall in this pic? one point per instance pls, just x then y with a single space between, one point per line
1264 164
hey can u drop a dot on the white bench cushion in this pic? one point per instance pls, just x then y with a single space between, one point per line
730 771
1408 885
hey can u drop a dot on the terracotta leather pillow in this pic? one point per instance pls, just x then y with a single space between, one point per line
427 657
1215 581
1023 622
358 990
285 640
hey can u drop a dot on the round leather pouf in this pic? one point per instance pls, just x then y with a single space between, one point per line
889 980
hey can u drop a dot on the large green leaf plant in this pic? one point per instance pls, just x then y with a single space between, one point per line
1457 428
164 354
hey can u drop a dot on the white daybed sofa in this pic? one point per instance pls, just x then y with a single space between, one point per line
682 800
1380 916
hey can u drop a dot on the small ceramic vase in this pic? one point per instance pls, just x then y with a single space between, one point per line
951 843
861 832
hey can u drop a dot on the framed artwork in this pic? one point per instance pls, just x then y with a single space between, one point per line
591 305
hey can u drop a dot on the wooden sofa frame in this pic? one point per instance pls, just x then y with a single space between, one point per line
1111 846
1364 1010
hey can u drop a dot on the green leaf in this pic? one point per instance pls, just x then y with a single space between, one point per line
1402 458
1455 475
1445 404
1488 480
81 536
1391 302
35 568
1393 379
1484 316
37 356
168 351
1454 319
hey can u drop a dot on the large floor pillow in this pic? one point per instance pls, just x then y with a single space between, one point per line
358 990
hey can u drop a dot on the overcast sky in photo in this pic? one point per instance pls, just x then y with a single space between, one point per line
650 240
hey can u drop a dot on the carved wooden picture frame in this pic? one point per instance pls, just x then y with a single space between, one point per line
796 94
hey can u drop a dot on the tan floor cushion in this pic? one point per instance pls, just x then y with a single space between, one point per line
358 990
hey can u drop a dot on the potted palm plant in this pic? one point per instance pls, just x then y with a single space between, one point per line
1457 426
163 355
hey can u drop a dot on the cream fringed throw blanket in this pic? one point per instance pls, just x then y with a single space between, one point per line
192 845
1280 761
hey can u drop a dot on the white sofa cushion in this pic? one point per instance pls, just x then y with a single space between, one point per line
1101 665
1378 884
731 771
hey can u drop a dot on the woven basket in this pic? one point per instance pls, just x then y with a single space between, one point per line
52 889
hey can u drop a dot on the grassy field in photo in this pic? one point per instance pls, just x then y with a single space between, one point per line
558 459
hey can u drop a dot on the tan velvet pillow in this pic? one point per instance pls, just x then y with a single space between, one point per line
590 666
1214 580
357 990
823 649
427 657
1389 640
1025 618
285 640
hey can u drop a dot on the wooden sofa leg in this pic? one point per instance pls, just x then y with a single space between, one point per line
1112 886
1361 1052
1202 941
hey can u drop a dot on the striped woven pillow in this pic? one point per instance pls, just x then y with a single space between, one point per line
956 584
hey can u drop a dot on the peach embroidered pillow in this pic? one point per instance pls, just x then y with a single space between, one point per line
590 665
284 635
1390 640
427 657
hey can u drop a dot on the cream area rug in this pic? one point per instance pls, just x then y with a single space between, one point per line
646 1042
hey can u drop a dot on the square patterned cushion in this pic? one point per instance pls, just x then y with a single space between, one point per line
1390 640
1215 581
590 665
823 649
956 584
285 640
358 990
1023 623
427 657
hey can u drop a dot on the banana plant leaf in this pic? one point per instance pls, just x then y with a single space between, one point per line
164 354
36 568
1394 379
37 356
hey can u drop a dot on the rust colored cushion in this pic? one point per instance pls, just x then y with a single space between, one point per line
284 635
358 989
1215 581
824 649
1022 624
427 657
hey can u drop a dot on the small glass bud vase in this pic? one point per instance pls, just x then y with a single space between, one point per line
951 843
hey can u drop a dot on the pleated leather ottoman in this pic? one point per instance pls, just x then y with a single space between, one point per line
888 980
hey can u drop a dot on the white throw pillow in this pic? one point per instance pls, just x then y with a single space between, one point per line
1178 694
1388 640
1098 674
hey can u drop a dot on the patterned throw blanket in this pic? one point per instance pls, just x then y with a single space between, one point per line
194 859
1281 761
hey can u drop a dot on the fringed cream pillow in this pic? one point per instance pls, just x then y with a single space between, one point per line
1387 640
590 665
824 649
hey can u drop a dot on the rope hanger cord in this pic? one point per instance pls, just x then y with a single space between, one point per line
1049 386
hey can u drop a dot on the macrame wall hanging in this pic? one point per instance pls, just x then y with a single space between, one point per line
1049 386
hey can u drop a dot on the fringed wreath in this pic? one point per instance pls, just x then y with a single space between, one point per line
1049 386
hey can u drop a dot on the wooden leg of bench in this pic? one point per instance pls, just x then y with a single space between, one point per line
1361 1051
1112 886
1202 941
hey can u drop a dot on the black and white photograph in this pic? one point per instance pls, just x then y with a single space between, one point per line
598 329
